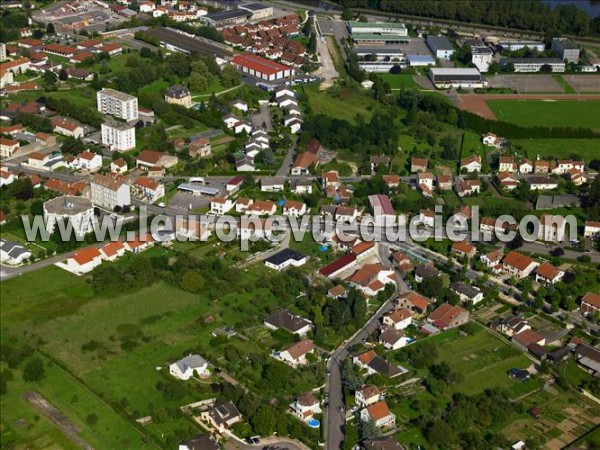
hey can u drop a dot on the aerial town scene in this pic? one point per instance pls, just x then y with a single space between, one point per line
300 224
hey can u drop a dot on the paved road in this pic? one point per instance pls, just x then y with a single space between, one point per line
336 419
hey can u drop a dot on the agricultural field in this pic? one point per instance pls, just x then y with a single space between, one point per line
564 417
400 80
549 113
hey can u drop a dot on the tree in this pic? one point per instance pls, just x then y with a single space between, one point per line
192 281
368 430
63 75
49 78
92 419
263 422
230 76
50 28
347 14
557 251
34 370
197 82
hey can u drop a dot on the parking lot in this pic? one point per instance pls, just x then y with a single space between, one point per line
583 83
186 201
525 84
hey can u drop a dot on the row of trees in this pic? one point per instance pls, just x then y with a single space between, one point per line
522 14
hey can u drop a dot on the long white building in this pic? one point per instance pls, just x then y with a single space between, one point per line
118 104
397 29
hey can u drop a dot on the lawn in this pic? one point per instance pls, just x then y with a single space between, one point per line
482 359
550 113
397 81
585 149
115 350
341 103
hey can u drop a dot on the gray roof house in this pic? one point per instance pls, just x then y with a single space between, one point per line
186 367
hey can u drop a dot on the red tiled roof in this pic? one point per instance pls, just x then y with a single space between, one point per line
86 255
378 410
528 337
338 264
592 298
258 64
518 260
548 271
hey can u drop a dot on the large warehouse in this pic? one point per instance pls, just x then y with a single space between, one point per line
397 29
456 78
261 68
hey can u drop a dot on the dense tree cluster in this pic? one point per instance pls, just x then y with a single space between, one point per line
83 114
522 14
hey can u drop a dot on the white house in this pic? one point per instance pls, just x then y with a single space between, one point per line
286 258
84 261
379 413
186 367
146 188
295 209
240 105
471 164
518 265
272 184
592 229
305 407
525 166
87 160
295 354
367 395
398 319
539 183
427 217
118 166
549 274
393 339
467 293
13 253
242 126
230 120
221 205
112 251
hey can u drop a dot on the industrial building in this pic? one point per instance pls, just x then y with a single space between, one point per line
178 41
380 53
397 29
420 60
226 18
514 46
379 39
482 57
566 49
440 46
534 64
261 68
456 78
258 10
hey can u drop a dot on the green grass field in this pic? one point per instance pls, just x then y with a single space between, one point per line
401 80
548 113
341 103
586 149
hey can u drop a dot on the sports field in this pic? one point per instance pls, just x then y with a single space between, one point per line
550 113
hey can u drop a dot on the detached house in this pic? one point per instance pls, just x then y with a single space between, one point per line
290 322
221 416
398 319
84 261
186 367
372 278
303 163
548 274
526 166
526 338
471 164
295 354
393 339
447 316
413 302
367 395
463 249
467 293
468 187
221 205
518 265
512 325
507 164
295 209
380 414
590 303
305 407
418 164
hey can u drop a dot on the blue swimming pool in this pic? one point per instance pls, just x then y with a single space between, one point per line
314 423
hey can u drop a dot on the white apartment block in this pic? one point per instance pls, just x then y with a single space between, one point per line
77 210
118 104
118 136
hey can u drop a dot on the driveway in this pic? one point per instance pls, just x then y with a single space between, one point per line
263 119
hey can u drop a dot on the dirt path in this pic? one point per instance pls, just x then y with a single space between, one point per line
476 103
61 421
